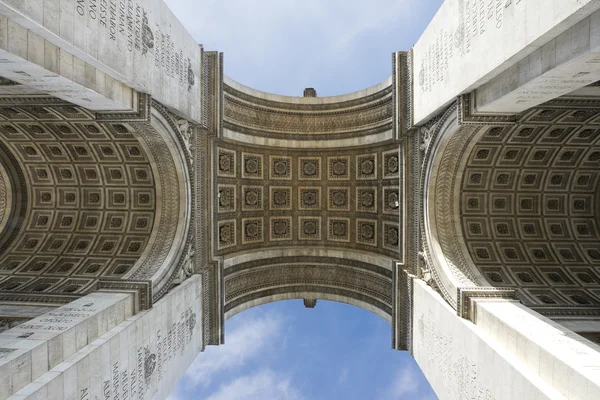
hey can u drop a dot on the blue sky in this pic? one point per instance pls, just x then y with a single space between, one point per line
282 351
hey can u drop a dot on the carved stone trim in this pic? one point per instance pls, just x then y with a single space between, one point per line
142 290
212 93
568 311
38 297
573 103
252 115
413 194
140 114
213 304
18 208
372 268
467 114
466 307
202 223
352 280
402 318
169 221
317 289
312 136
443 197
31 100
402 94
307 107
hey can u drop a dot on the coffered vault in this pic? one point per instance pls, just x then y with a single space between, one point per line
145 198
308 200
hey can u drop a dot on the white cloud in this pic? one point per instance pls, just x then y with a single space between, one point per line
266 384
405 382
248 339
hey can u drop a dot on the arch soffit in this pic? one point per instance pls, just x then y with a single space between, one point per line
167 253
300 295
455 166
263 119
443 257
348 277
74 228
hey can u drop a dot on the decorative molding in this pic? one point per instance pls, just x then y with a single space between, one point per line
402 95
37 297
213 304
412 193
318 273
318 107
255 116
402 318
567 311
466 307
467 114
142 289
170 200
444 200
140 114
31 100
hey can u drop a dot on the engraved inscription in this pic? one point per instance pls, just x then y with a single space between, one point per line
458 371
128 20
477 18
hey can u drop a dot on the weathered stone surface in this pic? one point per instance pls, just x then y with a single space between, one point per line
315 198
142 357
97 53
460 361
562 359
469 42
564 64
41 344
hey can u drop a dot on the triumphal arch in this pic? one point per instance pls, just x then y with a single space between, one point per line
145 198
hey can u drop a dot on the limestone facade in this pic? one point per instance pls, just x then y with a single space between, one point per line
147 198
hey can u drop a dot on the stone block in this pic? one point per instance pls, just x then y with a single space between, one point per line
20 370
468 44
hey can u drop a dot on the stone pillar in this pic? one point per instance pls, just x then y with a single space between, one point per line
564 64
100 54
511 352
469 43
29 350
109 353
566 361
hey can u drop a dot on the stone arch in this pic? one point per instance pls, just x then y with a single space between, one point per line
352 278
264 119
13 197
515 206
308 201
445 260
92 197
307 171
170 162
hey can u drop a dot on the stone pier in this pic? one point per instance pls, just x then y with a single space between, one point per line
145 198
95 348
